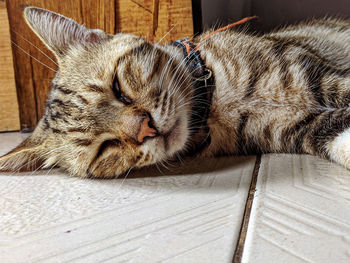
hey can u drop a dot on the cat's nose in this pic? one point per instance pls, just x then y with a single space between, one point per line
146 130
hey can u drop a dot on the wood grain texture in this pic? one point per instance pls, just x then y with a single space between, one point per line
154 19
151 19
9 116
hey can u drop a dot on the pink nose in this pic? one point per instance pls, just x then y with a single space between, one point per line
145 130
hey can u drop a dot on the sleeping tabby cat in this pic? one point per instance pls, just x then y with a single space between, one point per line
120 102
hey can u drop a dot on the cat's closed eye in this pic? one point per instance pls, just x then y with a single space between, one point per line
118 92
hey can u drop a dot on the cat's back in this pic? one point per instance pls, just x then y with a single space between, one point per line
286 58
264 81
326 38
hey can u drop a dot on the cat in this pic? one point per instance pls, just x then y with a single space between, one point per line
120 102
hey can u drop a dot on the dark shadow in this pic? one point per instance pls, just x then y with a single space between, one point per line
193 167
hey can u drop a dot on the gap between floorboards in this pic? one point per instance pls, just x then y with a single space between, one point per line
237 256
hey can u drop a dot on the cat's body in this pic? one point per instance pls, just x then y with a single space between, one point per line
119 102
280 92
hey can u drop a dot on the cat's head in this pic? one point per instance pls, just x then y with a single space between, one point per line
117 102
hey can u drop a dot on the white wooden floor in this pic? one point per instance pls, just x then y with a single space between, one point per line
300 212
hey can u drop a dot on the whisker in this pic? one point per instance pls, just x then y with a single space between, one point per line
162 163
32 56
125 177
167 33
180 158
38 168
42 52
52 167
181 65
37 158
174 72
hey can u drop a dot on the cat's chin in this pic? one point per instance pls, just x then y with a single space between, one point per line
176 138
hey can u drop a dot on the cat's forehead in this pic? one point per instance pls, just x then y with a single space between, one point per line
101 60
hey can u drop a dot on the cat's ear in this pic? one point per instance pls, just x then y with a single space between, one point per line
25 157
60 33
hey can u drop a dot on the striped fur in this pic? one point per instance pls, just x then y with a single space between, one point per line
286 91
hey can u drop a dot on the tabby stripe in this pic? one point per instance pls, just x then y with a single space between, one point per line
225 66
287 77
58 102
268 136
279 48
243 119
83 142
338 99
138 158
81 130
311 52
164 102
316 66
258 67
333 97
103 104
298 131
64 107
130 79
143 48
237 71
345 99
46 122
89 174
56 115
95 88
106 144
332 124
156 101
57 131
314 74
226 60
83 100
62 90
157 62
315 71
147 158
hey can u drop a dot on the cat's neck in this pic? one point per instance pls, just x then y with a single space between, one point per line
228 96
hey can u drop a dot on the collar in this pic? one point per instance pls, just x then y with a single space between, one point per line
203 87
203 93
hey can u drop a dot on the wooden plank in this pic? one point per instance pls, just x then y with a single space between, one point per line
151 19
154 19
9 116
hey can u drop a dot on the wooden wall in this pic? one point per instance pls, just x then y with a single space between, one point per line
9 118
149 18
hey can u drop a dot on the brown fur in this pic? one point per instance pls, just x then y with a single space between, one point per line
287 91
